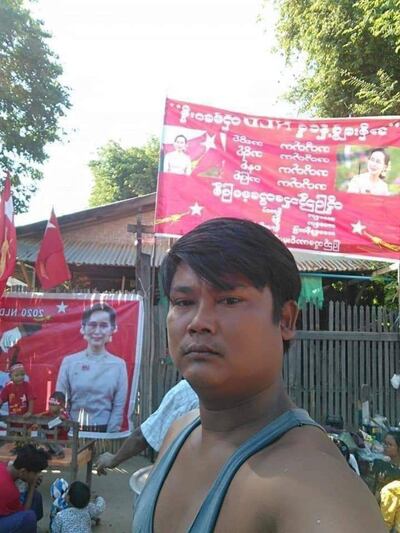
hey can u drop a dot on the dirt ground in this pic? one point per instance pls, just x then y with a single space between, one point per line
115 490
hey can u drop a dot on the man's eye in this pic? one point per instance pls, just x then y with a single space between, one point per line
230 300
181 303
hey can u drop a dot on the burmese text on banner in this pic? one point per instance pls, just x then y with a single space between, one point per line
323 185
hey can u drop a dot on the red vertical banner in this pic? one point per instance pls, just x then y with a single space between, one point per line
323 185
86 346
8 238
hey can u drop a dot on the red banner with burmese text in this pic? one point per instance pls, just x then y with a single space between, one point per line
94 359
323 185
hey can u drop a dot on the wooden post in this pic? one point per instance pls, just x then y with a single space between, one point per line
26 276
139 229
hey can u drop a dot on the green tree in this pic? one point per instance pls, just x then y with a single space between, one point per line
121 173
32 99
351 53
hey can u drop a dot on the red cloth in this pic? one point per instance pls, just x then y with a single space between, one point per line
51 267
62 431
17 396
8 238
9 494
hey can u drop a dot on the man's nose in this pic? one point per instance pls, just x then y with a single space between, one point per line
203 319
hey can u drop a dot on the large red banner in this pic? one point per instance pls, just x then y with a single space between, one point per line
86 346
323 185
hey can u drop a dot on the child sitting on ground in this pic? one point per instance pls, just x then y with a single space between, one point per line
58 412
80 513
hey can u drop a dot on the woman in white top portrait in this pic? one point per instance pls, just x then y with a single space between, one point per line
178 162
372 181
95 381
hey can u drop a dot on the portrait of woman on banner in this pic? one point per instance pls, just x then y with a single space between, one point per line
94 380
373 180
178 161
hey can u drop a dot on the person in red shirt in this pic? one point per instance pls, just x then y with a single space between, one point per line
17 392
16 516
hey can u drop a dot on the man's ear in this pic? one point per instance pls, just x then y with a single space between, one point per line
288 319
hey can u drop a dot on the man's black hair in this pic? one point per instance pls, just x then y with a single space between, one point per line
221 247
79 494
31 458
99 307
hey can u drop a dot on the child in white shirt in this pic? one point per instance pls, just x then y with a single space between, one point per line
78 516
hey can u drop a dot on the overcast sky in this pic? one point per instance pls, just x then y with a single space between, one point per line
121 58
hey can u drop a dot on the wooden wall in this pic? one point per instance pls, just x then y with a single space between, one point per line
338 349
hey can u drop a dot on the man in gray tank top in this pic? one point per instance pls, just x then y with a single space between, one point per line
252 461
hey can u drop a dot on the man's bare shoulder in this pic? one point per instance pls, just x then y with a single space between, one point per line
303 481
176 428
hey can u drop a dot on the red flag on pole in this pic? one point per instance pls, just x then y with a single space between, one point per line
51 267
8 238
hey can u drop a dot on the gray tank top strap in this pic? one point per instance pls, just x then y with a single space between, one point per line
146 504
207 515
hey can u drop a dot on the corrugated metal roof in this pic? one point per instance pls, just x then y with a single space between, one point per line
124 255
91 253
326 263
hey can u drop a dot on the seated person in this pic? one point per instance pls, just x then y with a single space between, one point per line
56 411
78 516
16 516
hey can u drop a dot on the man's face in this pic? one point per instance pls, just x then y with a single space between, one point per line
225 338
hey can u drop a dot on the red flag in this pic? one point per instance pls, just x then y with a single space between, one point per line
8 238
51 267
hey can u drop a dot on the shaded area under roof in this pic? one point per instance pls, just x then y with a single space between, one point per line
124 255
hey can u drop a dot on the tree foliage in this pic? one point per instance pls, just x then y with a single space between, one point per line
121 173
351 53
32 99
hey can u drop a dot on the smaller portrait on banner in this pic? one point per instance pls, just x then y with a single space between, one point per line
178 161
368 170
193 152
95 381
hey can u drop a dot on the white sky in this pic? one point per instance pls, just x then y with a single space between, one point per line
121 58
